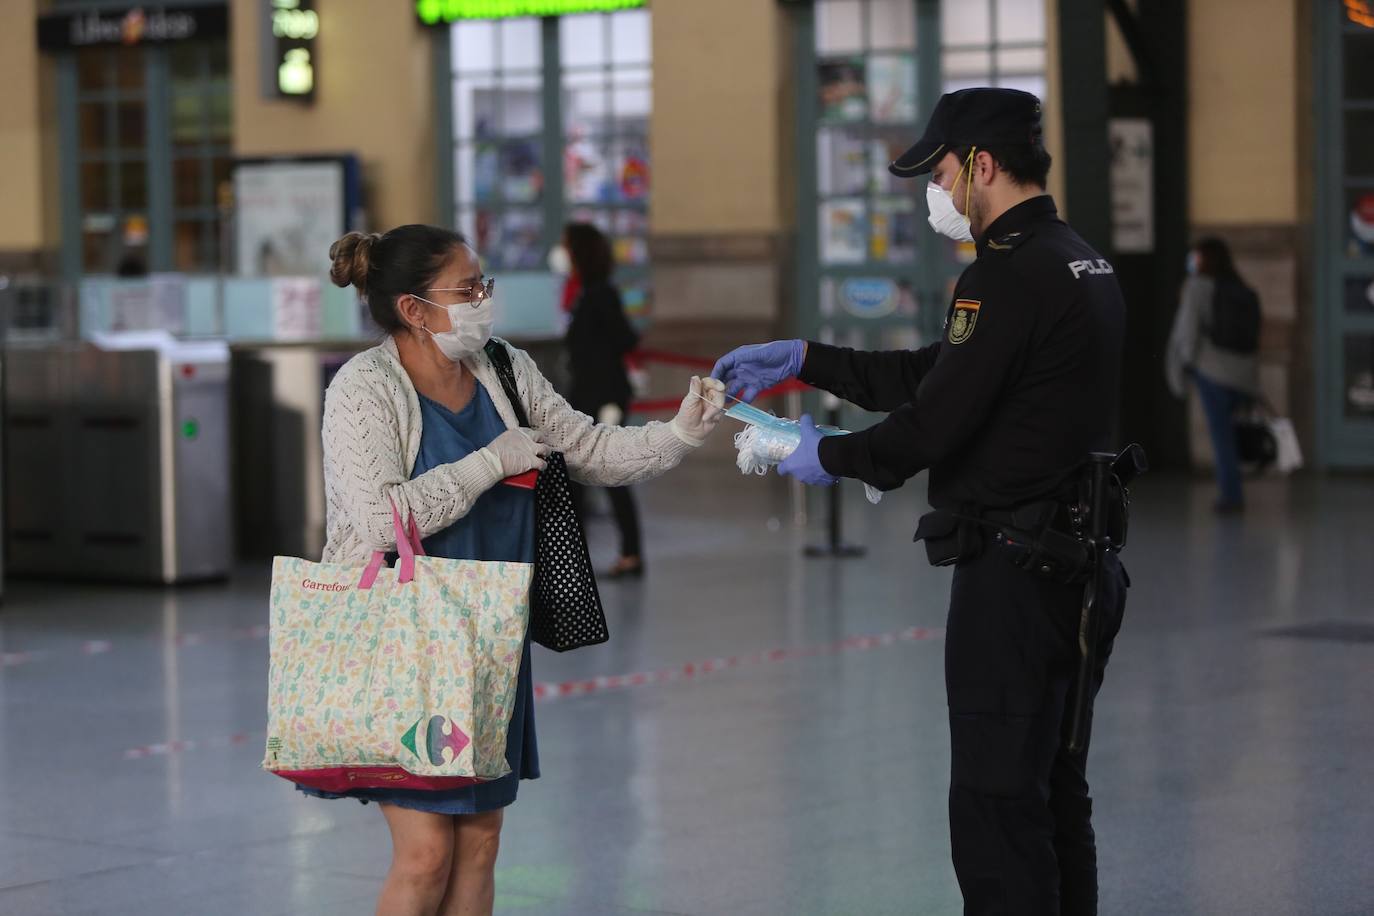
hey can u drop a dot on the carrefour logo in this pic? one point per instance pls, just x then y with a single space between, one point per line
313 586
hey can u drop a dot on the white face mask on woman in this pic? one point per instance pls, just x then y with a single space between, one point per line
470 327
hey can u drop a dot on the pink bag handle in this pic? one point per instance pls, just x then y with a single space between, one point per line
408 547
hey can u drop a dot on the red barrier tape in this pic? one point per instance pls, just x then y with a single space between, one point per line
545 691
672 359
665 404
661 405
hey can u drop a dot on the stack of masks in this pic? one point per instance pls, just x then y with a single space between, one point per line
767 440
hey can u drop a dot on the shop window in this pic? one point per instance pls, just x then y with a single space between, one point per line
877 275
112 151
114 146
993 43
515 182
200 129
867 109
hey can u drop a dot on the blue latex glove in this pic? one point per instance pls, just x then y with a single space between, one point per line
805 463
757 367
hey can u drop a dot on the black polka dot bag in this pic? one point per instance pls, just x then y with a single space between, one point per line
565 606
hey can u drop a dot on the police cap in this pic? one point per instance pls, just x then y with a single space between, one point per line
972 117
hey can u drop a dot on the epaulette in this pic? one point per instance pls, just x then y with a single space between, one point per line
1010 241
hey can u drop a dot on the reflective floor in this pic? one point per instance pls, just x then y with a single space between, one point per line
1233 765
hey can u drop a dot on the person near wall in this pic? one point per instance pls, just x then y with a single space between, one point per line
598 338
1214 343
422 423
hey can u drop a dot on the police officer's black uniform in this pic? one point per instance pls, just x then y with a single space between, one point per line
1003 411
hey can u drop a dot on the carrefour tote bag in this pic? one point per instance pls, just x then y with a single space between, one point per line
394 677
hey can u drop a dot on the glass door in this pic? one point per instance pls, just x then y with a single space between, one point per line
1345 233
871 272
549 124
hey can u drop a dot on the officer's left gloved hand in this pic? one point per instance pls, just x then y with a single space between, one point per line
747 371
805 462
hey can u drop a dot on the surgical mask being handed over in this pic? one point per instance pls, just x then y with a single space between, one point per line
769 440
469 328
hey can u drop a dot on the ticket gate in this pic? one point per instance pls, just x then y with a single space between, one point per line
118 459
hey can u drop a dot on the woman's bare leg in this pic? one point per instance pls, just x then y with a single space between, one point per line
472 881
421 860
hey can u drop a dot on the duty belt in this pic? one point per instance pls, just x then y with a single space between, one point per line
1063 540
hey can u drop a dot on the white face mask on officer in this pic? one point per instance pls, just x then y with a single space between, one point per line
945 218
470 327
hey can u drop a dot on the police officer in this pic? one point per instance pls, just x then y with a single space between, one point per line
1002 411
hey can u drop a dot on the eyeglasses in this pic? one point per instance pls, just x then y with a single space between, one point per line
471 295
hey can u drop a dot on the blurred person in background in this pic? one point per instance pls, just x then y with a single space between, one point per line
1214 342
598 338
421 422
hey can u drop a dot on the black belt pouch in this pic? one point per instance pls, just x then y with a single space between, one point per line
948 539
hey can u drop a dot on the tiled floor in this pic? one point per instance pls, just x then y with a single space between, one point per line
1233 769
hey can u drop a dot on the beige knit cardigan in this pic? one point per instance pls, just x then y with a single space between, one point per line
372 436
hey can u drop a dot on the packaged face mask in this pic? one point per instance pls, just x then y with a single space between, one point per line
768 441
755 416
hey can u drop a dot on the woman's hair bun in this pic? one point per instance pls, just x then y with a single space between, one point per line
352 257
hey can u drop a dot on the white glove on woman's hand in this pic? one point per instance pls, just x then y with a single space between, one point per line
696 417
516 451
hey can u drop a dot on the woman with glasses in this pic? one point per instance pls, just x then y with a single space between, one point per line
421 422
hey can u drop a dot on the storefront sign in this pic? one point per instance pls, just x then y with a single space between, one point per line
295 26
288 212
864 297
442 12
136 26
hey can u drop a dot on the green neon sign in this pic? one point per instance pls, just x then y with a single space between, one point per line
440 12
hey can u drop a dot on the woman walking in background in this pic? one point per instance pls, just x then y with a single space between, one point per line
598 338
1214 342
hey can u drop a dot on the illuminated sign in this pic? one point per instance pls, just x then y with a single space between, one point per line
135 26
440 12
295 26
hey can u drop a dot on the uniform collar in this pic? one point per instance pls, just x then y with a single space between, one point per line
1018 219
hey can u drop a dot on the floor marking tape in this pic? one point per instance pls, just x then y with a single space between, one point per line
546 691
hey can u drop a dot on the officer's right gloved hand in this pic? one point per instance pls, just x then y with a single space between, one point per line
757 367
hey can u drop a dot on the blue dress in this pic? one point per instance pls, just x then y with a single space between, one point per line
500 526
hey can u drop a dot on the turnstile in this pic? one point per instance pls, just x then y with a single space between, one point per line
278 397
118 460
